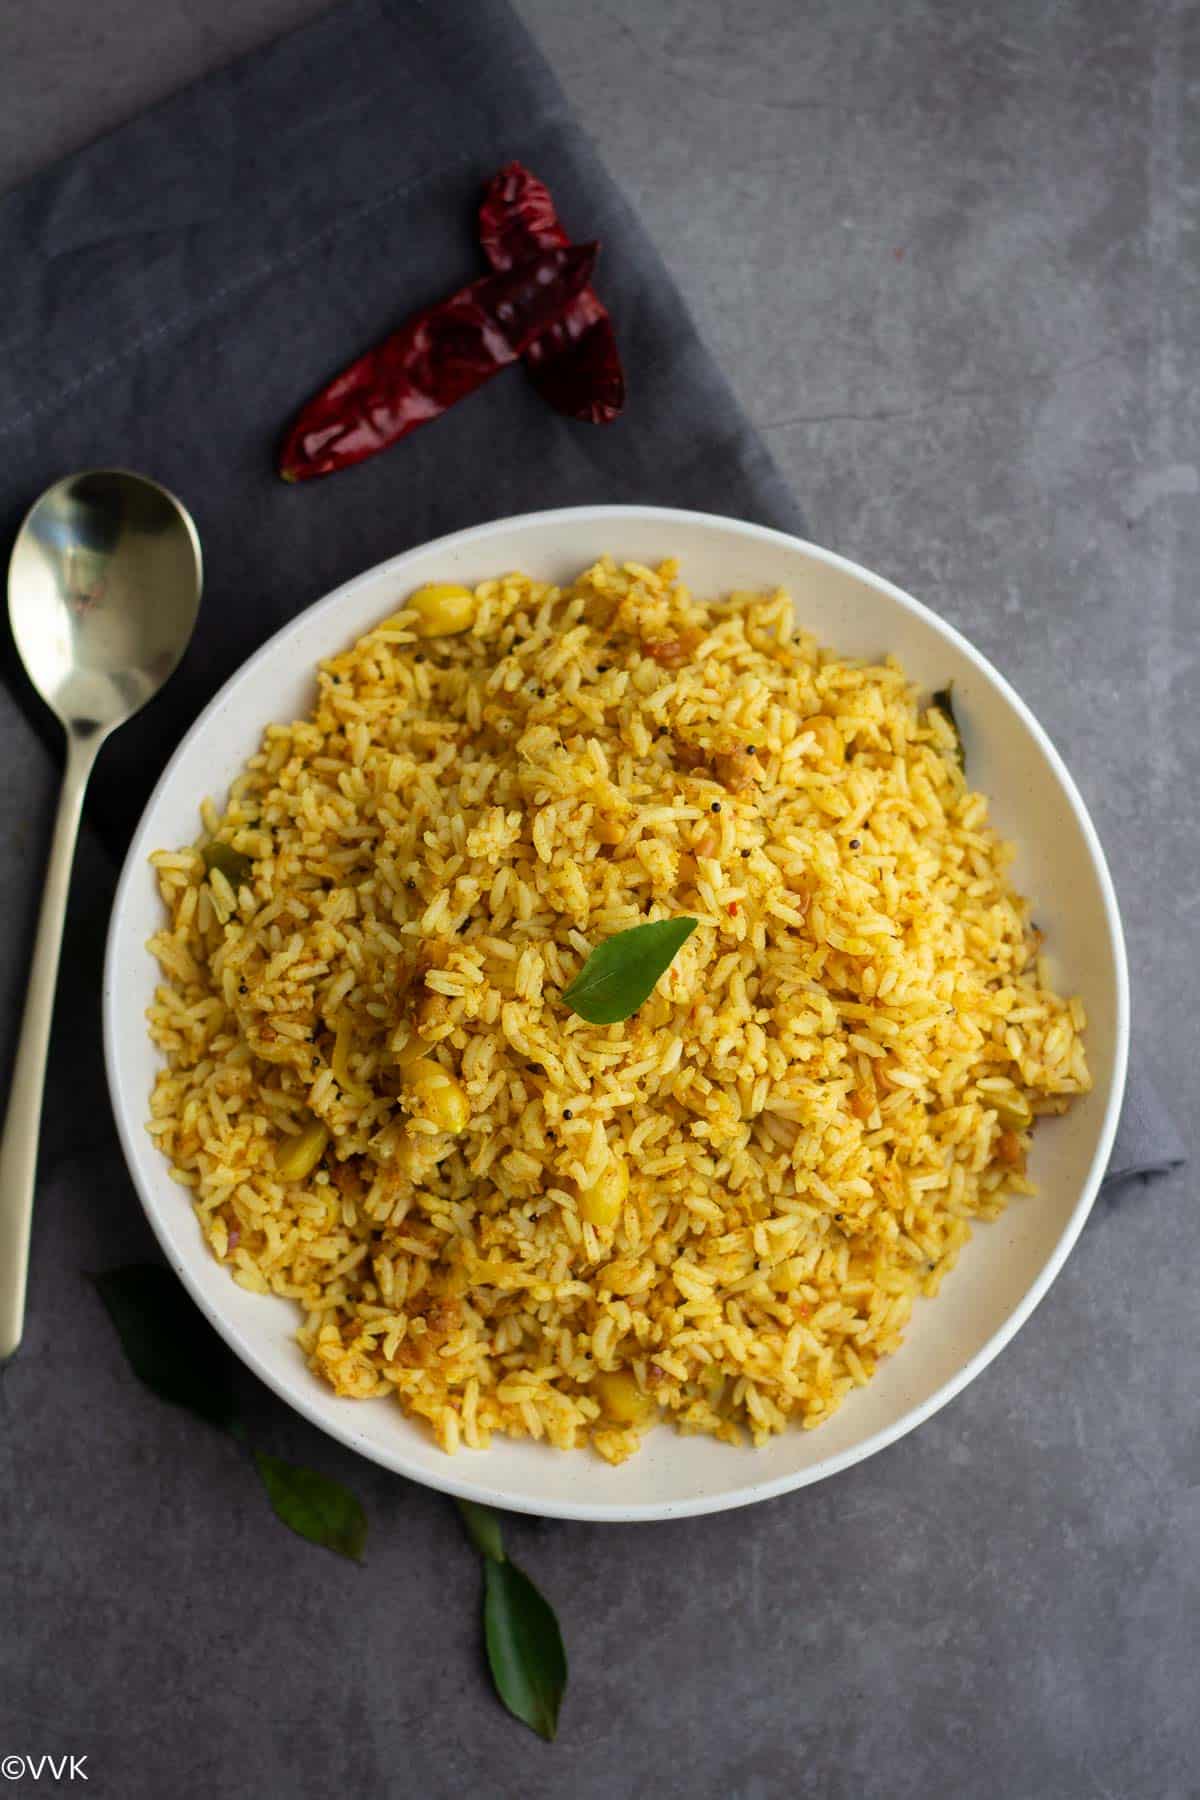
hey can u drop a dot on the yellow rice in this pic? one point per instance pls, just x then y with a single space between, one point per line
829 1083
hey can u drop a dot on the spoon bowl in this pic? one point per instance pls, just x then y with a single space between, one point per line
103 589
104 585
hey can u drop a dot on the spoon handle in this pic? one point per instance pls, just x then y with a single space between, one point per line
19 1146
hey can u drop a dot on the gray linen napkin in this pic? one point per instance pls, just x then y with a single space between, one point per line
175 290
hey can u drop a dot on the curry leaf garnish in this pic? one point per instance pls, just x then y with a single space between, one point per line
168 1344
314 1507
944 701
622 971
524 1644
234 865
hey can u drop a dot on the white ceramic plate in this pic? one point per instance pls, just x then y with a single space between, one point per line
1007 1267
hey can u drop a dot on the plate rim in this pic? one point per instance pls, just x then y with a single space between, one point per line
134 1142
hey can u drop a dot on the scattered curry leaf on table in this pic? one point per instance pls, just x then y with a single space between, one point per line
180 1358
524 1647
622 972
169 1344
944 701
483 1528
524 1644
313 1506
172 1349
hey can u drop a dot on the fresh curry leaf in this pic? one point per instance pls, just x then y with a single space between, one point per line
168 1343
621 972
524 1647
483 1529
314 1507
234 865
944 701
174 1352
178 1356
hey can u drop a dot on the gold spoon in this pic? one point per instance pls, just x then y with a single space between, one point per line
103 589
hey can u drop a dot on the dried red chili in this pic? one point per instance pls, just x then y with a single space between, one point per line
575 363
434 360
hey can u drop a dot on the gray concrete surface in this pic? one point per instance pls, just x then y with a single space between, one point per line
948 257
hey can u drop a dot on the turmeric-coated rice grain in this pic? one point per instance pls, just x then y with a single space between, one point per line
719 1212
